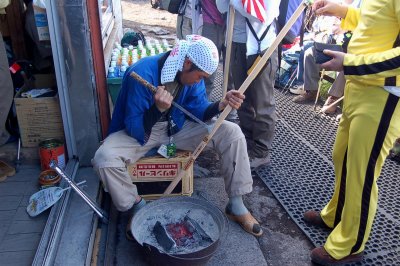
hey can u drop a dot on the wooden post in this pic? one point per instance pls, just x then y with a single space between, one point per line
228 41
257 68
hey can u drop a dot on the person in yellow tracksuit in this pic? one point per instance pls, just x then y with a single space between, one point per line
369 126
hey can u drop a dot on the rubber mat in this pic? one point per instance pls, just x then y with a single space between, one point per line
302 177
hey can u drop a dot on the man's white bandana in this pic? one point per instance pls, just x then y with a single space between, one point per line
200 50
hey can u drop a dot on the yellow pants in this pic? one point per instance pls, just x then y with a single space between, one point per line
368 129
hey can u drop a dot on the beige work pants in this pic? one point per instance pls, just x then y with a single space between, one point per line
119 150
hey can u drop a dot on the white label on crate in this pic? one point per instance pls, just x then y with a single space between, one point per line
163 151
156 170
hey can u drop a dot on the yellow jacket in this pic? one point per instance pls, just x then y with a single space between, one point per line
371 58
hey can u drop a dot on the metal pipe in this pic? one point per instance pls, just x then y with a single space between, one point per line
18 161
102 214
153 89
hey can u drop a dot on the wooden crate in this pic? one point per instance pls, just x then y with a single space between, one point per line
152 175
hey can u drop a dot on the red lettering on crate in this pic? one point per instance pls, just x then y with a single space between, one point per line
149 170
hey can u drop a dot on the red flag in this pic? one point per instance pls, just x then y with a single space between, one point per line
255 8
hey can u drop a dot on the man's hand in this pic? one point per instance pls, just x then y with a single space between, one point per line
234 98
336 64
163 99
328 8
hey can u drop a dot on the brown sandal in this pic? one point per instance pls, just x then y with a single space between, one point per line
5 171
247 222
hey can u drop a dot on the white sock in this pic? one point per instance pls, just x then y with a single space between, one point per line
138 205
236 206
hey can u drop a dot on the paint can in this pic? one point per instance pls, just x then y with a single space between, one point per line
51 149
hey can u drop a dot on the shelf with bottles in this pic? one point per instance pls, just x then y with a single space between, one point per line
123 57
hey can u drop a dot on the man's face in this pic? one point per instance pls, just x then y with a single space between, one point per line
190 77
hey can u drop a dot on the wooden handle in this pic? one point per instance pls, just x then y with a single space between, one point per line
319 88
144 82
243 87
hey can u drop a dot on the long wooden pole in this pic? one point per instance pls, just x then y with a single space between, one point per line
319 88
227 62
257 68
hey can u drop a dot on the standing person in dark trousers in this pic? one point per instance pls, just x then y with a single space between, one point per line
6 92
6 98
213 29
257 113
189 20
368 128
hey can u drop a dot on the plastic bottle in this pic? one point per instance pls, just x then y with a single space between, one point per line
130 53
165 43
122 72
114 64
143 53
124 63
111 72
119 60
171 148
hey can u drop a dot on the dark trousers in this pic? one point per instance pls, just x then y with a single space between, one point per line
215 33
257 113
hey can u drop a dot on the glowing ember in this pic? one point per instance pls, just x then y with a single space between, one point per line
181 233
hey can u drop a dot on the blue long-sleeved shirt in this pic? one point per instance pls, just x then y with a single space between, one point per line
136 112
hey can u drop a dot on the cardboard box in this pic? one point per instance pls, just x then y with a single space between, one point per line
42 24
152 175
39 118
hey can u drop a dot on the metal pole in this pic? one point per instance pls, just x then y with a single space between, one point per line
18 161
153 89
102 214
256 70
